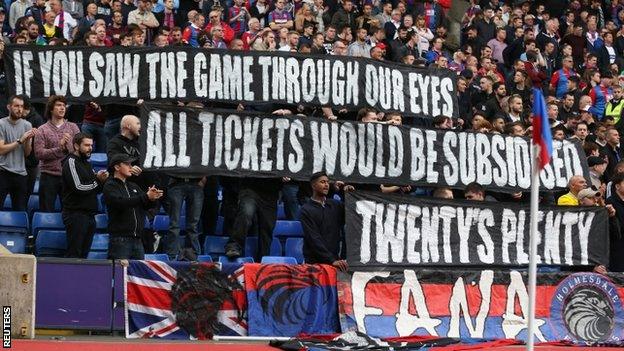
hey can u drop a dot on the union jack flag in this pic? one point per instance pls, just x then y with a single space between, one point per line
148 307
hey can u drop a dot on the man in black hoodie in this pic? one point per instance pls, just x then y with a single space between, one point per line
126 204
80 188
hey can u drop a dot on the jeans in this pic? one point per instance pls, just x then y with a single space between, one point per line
99 136
80 227
15 185
250 204
291 201
194 196
50 186
125 248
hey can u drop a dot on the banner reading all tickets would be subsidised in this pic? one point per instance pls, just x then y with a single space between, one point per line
183 73
387 231
246 144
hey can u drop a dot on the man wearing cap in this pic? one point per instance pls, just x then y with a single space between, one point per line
322 219
126 204
588 197
576 184
80 188
597 166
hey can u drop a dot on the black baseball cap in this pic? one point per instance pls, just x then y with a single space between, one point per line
120 158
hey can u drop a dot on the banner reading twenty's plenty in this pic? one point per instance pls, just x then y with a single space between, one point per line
114 74
582 307
255 145
389 230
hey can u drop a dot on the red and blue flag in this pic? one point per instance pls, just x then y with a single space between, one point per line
541 129
289 300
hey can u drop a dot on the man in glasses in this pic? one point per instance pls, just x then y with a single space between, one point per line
214 19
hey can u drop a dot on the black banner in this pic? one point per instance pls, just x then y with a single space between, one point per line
384 230
247 144
123 73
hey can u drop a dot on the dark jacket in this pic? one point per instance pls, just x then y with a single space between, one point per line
80 185
614 155
322 230
119 144
178 20
343 19
616 239
126 204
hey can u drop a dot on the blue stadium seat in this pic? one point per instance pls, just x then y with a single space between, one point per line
224 259
42 220
97 255
8 205
33 204
294 248
101 223
204 258
14 242
36 187
100 242
278 260
98 160
157 257
288 229
276 247
251 246
14 221
215 245
281 213
161 223
51 243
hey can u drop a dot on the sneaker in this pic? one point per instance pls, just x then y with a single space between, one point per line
232 251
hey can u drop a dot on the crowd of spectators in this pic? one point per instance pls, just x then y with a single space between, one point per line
571 49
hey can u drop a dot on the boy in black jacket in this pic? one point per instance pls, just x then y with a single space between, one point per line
126 204
80 188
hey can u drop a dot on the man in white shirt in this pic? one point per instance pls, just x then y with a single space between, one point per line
142 16
64 19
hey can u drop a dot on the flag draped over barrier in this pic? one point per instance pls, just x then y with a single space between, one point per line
179 300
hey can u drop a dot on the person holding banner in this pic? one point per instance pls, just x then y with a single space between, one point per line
576 184
322 219
257 199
